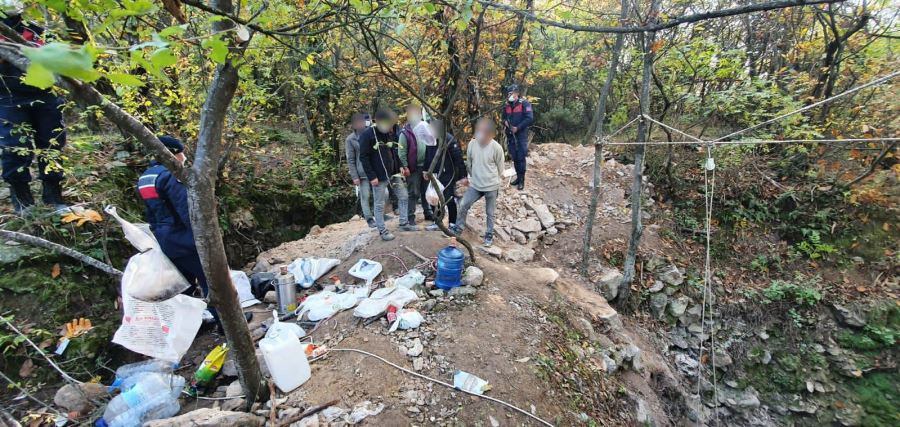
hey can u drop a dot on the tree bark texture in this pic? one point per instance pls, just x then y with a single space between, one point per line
646 41
599 122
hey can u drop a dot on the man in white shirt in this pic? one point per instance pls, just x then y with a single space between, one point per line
484 160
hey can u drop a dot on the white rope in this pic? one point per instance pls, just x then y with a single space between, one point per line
709 178
652 120
877 81
445 384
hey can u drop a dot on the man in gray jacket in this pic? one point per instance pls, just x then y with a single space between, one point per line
357 173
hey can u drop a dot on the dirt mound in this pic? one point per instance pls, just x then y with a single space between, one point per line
549 350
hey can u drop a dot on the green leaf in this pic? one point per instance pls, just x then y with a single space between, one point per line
61 59
175 30
125 79
163 58
218 47
38 76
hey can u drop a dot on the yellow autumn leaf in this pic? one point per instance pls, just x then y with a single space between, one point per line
87 215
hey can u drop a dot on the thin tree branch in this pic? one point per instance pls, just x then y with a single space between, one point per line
55 247
759 7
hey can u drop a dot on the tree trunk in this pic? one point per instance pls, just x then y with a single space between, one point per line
205 220
512 63
599 120
646 40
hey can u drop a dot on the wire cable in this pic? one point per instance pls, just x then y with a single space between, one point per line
756 141
445 384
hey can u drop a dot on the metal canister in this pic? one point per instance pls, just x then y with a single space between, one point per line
286 292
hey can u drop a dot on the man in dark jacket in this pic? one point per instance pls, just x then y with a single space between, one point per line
31 124
518 115
380 159
450 168
357 173
166 210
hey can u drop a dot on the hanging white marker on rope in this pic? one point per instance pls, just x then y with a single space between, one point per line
710 163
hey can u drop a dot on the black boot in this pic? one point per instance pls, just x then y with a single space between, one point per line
22 199
515 183
521 183
51 193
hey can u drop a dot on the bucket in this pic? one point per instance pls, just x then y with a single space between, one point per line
450 264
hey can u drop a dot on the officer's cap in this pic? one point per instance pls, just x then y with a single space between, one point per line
172 143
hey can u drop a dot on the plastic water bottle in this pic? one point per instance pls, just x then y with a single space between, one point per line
158 408
131 369
149 388
175 382
449 267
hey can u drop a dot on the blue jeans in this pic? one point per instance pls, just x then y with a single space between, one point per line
365 198
472 195
381 194
31 127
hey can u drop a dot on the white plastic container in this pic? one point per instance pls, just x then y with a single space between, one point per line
286 358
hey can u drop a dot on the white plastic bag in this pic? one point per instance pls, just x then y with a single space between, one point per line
242 284
411 279
467 382
407 319
281 328
325 304
366 269
162 330
150 275
308 270
432 196
378 302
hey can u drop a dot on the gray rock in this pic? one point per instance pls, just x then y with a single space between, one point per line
739 400
229 368
519 254
766 357
473 276
672 276
461 291
418 364
77 398
642 414
493 251
801 406
234 389
417 348
208 417
848 317
543 213
658 303
608 283
608 364
12 253
270 298
528 225
632 353
656 287
850 414
584 328
655 262
519 237
686 364
678 306
543 276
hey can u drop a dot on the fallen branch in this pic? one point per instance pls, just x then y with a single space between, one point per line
418 255
55 247
307 413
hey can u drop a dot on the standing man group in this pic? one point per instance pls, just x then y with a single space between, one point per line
518 116
378 153
31 125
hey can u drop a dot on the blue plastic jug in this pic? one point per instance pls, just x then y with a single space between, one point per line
449 268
